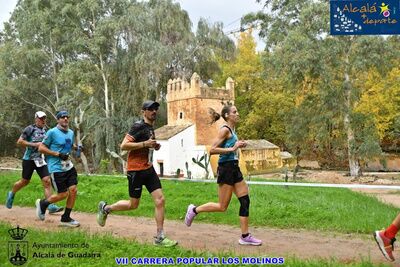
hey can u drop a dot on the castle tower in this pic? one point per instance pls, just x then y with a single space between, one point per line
189 103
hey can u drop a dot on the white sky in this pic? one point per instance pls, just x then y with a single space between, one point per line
227 11
6 7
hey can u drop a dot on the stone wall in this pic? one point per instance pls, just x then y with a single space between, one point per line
389 162
189 103
261 160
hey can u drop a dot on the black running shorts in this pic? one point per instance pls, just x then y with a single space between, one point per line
28 166
228 172
61 181
136 180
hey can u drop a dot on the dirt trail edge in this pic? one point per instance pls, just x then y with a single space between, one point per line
215 238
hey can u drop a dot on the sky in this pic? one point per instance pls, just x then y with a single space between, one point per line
7 6
228 12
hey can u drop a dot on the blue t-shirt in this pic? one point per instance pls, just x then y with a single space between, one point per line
33 134
230 142
60 141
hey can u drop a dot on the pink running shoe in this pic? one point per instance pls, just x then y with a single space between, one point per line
385 244
190 215
250 240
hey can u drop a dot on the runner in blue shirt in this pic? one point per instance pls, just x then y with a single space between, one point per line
33 160
57 145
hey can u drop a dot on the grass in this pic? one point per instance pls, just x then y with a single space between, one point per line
322 209
110 248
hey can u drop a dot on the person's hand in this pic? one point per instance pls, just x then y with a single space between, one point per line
240 144
244 143
158 146
151 143
63 156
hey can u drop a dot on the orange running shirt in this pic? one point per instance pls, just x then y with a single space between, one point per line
138 159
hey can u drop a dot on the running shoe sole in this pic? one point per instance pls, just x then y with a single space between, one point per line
189 210
241 242
39 213
70 225
101 217
381 245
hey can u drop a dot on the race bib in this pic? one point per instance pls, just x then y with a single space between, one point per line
66 165
40 162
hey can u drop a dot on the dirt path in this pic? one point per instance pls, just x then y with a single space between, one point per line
216 238
390 197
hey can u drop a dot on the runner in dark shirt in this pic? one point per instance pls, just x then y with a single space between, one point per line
33 160
140 142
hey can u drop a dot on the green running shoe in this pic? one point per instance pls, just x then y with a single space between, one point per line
165 242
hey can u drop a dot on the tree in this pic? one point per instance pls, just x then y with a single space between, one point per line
99 59
297 36
211 46
380 100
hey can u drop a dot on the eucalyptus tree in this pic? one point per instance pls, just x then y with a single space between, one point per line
155 37
133 48
211 46
98 58
325 69
38 32
31 55
9 122
95 38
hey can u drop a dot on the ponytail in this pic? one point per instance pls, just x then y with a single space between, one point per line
214 116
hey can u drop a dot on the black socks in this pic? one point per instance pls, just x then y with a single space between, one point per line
44 203
66 216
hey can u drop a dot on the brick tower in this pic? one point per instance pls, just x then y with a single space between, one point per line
188 103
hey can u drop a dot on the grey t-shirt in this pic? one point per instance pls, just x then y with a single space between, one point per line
33 134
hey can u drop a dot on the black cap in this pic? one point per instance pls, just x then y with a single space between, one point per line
150 104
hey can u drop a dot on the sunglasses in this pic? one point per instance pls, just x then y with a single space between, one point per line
64 117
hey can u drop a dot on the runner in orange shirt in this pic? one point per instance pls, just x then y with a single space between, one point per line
140 142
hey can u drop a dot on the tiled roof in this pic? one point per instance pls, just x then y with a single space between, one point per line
286 155
166 132
259 144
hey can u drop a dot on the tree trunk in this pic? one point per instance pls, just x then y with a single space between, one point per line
105 83
77 125
115 156
85 163
108 108
54 67
79 141
295 171
355 170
